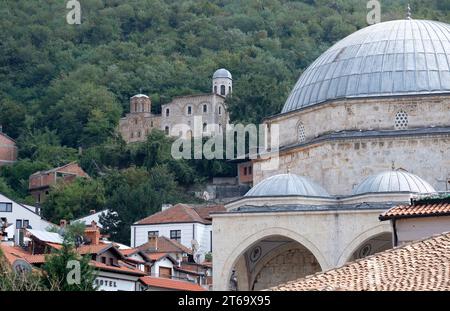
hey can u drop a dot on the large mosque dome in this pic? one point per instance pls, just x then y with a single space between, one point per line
403 57
287 185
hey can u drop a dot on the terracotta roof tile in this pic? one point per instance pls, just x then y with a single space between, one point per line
165 245
170 284
417 210
182 213
120 268
419 266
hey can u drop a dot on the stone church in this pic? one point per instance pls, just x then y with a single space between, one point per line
366 127
185 116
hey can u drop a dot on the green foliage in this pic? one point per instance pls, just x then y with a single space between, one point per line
57 269
74 200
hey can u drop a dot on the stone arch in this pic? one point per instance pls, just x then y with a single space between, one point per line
251 240
363 237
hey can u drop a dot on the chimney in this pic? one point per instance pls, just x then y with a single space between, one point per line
153 242
92 233
62 223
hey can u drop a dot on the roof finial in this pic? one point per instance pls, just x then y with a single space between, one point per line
409 14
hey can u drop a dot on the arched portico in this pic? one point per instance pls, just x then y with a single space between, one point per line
253 261
382 231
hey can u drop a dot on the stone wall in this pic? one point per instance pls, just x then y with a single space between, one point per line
362 114
287 266
136 126
340 165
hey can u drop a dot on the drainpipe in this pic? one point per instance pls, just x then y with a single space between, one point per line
394 227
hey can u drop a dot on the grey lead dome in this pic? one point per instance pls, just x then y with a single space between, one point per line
403 57
222 73
394 181
287 185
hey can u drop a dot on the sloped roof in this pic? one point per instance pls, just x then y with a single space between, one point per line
419 266
170 284
182 213
165 245
119 269
418 210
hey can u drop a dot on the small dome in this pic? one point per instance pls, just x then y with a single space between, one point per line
394 181
140 96
287 185
222 73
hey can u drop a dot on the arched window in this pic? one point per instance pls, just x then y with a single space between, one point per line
166 130
189 110
401 120
220 110
139 134
301 135
205 127
205 108
135 107
167 112
222 90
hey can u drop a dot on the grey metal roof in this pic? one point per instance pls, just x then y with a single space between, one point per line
403 57
394 181
222 73
287 185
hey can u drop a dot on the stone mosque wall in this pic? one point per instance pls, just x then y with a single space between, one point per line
363 114
339 165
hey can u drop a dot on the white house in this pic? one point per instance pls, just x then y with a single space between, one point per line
20 216
188 224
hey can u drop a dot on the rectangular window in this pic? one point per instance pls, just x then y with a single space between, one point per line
175 235
19 224
189 110
26 223
152 234
6 207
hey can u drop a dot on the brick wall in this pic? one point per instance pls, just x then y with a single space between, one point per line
8 150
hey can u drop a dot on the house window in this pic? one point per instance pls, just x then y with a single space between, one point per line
167 112
165 272
6 207
26 223
222 90
19 224
205 108
152 234
189 110
103 259
401 120
175 235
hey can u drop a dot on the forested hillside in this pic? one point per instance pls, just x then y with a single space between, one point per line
63 86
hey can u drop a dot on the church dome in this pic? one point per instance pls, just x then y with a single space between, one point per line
287 185
394 181
222 73
403 57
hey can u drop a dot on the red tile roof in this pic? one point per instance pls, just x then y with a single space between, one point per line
182 213
120 268
170 284
165 245
12 253
417 210
420 266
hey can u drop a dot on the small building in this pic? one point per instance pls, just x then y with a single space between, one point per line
8 149
418 266
422 218
17 216
189 225
41 182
